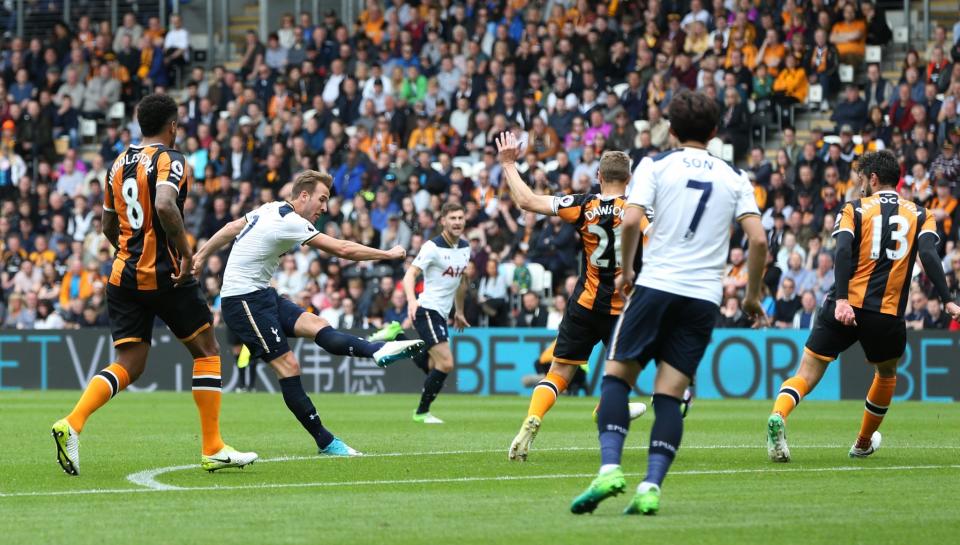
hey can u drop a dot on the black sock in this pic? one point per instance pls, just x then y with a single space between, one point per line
665 437
613 418
431 387
341 344
421 360
301 407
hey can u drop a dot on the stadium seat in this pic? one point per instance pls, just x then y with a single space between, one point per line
846 73
874 53
117 112
536 277
88 129
620 88
815 95
552 165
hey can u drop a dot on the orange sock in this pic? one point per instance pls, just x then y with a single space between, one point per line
875 408
102 388
206 394
791 392
545 394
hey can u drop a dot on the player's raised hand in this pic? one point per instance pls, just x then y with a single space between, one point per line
397 252
460 321
844 313
508 147
186 274
624 283
953 310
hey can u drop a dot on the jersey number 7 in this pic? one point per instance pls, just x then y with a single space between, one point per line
706 189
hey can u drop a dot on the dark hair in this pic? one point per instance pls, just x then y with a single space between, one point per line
882 163
155 111
450 207
693 116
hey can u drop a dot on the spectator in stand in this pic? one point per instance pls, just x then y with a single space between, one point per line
850 36
176 45
937 319
918 315
101 92
734 123
804 317
878 31
790 87
879 92
851 111
532 313
787 305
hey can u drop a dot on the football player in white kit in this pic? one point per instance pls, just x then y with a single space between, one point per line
442 261
263 320
673 307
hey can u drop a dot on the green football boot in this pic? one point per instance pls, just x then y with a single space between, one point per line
607 484
646 502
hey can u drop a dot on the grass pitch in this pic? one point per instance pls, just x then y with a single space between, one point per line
454 484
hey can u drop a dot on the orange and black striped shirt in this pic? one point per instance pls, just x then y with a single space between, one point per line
145 259
598 221
885 231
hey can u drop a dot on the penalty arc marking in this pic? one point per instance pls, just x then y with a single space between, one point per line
147 478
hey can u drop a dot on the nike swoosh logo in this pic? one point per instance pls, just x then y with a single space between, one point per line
222 461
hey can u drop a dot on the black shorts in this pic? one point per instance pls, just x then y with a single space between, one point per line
132 312
882 336
665 327
431 326
262 320
580 331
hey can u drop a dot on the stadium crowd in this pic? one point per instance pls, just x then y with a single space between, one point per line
402 105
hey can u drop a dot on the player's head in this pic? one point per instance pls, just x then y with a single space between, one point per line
878 170
693 117
614 169
310 193
157 115
452 219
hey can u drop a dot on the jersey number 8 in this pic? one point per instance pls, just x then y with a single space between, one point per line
603 242
131 196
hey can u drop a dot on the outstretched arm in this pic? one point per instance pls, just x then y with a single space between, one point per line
410 290
509 149
352 250
459 320
756 260
217 242
927 248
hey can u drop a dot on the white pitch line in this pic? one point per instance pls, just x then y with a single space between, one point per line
148 478
470 479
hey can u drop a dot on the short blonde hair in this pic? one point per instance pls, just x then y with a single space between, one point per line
308 180
615 166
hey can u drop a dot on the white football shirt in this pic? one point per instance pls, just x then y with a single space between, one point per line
442 268
271 231
696 197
